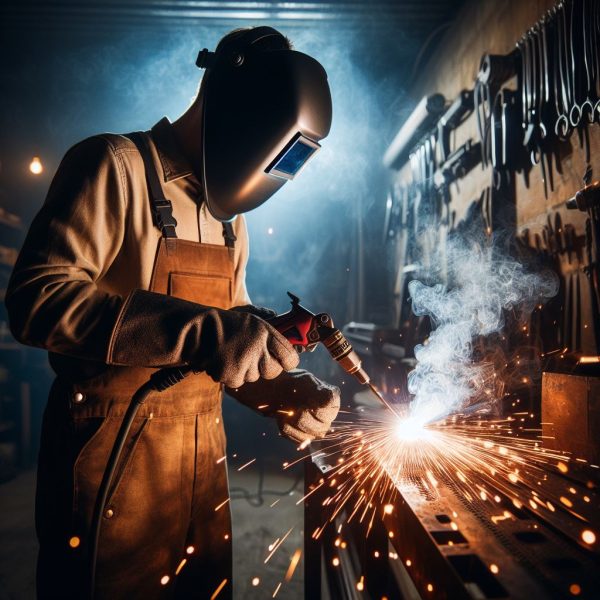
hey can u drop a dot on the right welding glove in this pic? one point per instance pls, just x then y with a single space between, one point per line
303 405
232 346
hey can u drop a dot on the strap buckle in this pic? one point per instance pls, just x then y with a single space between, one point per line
230 237
163 212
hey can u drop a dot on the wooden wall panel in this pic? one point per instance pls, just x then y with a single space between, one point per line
495 26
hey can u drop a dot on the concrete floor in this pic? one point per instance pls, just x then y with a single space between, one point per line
254 529
18 548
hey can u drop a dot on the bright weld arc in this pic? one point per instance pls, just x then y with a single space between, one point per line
480 456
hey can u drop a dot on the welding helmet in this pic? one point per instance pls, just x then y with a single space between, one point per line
265 109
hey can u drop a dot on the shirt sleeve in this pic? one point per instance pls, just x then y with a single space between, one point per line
52 299
240 292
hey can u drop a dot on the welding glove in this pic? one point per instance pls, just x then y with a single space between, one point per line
232 346
304 406
257 311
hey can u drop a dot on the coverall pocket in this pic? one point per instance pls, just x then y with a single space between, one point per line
91 462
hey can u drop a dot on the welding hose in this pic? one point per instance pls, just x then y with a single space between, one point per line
159 382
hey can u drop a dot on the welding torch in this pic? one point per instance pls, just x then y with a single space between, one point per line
304 330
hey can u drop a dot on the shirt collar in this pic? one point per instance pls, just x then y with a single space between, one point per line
174 163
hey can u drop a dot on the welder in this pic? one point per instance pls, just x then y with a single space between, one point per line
135 262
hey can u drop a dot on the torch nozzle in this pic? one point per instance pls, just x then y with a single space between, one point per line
341 350
382 399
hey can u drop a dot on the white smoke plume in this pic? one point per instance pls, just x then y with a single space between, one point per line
484 285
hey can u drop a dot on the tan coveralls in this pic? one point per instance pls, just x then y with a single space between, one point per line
166 530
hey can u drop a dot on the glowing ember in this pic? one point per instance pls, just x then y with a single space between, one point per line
74 542
255 581
588 536
220 506
273 548
164 580
219 589
293 564
247 464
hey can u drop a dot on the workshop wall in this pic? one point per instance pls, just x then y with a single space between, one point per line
539 219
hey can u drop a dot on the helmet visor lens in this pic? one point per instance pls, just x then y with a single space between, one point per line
290 161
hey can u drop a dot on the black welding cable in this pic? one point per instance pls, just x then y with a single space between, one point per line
158 382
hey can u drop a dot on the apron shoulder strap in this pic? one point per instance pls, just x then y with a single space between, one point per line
228 234
162 209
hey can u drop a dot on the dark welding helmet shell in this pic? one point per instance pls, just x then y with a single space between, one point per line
264 113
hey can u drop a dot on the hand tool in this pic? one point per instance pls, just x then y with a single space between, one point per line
494 70
458 111
587 198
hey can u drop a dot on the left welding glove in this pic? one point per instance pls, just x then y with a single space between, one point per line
304 406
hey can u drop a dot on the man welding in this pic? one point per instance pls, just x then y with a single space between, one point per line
137 261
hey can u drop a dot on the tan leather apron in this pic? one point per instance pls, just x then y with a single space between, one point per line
166 530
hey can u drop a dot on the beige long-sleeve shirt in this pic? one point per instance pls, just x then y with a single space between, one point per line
93 242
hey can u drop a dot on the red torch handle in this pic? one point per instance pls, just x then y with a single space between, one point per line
295 324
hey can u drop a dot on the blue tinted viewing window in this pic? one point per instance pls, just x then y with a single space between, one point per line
291 162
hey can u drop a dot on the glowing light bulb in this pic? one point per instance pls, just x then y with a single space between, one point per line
255 581
270 231
35 166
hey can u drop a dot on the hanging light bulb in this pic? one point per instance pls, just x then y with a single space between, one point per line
35 166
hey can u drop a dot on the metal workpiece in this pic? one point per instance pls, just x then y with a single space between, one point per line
441 544
461 549
571 415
